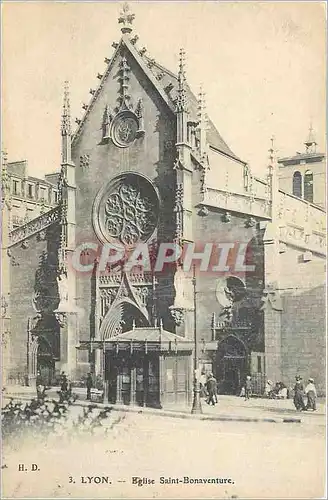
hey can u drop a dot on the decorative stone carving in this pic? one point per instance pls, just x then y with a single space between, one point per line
25 244
34 226
107 296
203 211
178 209
124 129
140 115
126 18
168 145
143 294
124 97
84 160
229 291
271 297
250 222
46 294
177 314
183 290
41 236
61 318
4 306
226 217
126 210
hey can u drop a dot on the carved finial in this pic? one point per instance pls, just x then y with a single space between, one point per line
126 18
66 116
182 94
107 118
124 79
182 64
134 39
5 182
272 157
310 143
202 126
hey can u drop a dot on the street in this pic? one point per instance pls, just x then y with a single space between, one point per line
149 456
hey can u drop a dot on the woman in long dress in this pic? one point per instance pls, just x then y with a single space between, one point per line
311 393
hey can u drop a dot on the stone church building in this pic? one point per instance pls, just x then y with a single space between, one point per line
146 165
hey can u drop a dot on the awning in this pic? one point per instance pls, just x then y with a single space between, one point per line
148 339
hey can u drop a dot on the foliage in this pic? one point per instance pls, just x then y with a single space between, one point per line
38 418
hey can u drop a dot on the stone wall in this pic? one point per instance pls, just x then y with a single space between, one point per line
303 328
24 263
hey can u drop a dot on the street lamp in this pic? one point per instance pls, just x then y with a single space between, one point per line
196 404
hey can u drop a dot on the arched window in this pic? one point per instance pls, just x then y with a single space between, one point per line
308 186
297 184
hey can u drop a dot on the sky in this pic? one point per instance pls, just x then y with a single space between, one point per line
261 64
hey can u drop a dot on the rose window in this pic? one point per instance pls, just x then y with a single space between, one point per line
126 210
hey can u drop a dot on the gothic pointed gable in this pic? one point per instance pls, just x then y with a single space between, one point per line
162 80
123 50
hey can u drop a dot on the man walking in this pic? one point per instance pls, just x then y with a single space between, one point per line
211 386
40 387
248 387
89 385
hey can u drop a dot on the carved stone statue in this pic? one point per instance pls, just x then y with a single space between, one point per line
183 290
62 289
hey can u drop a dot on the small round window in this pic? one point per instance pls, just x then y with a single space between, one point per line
124 129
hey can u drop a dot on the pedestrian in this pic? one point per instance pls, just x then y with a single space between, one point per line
63 382
211 386
202 382
40 387
268 388
248 387
89 385
298 394
311 393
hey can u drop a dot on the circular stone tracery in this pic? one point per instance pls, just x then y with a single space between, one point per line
124 129
126 210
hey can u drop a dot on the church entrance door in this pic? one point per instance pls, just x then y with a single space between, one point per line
231 368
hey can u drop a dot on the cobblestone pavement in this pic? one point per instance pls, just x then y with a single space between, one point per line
261 460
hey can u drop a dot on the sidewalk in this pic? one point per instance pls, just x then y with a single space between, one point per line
229 408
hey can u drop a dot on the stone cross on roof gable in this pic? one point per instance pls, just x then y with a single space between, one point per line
126 18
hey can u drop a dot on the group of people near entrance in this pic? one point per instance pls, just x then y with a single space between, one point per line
277 391
280 391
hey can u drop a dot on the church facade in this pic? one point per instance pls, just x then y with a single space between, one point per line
146 166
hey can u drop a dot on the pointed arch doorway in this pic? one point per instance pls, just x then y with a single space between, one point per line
231 365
